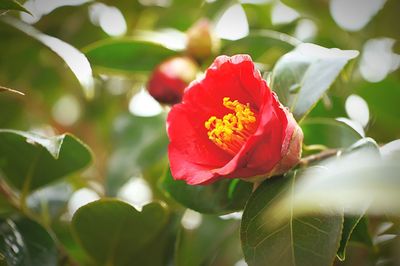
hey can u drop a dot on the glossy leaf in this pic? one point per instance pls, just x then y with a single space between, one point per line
126 55
12 5
26 243
113 232
302 76
74 59
300 240
223 196
29 161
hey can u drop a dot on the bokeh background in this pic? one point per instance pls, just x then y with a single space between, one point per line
104 101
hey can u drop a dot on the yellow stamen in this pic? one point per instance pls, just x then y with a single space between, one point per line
232 131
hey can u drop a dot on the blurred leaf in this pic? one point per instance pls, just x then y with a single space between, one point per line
223 196
140 142
10 90
352 182
24 242
302 76
12 5
328 132
50 202
199 246
113 232
306 240
29 161
391 150
62 230
126 55
262 45
162 246
75 60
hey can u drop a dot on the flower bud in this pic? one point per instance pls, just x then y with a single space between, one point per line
170 78
201 40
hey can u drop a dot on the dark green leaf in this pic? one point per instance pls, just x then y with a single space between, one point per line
75 60
29 161
127 55
300 240
26 243
223 196
361 234
349 223
12 5
328 132
113 232
314 69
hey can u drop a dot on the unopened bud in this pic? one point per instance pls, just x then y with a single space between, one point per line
170 78
201 40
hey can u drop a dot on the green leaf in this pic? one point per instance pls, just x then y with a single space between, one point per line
140 142
361 234
12 5
223 196
113 232
328 132
74 59
26 243
126 55
300 240
310 68
29 161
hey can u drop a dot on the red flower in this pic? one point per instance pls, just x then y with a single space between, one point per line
170 78
231 125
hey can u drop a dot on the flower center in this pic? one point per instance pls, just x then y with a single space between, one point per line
232 131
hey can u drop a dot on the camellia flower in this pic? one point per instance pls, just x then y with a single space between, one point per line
231 125
170 78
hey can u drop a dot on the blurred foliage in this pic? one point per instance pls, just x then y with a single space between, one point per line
83 66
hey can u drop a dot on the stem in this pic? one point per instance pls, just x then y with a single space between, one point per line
7 192
256 185
317 157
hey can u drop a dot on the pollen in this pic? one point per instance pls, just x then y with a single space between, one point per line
231 132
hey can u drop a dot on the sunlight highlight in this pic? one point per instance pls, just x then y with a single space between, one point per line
142 104
233 25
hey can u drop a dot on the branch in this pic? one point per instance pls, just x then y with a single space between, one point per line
317 157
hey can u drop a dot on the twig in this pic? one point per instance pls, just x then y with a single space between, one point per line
317 157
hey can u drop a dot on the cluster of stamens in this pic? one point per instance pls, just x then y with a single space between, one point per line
232 131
